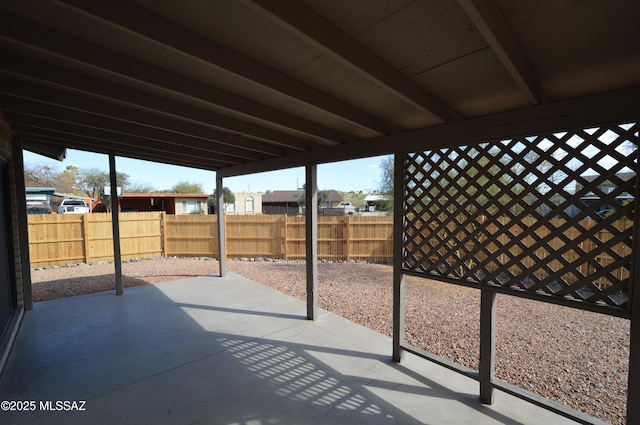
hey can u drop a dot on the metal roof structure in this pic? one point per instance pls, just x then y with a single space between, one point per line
254 85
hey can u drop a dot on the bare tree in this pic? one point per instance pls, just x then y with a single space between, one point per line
40 175
187 187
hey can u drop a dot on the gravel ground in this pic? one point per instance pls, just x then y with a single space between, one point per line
574 357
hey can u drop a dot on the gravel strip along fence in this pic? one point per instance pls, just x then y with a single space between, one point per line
577 358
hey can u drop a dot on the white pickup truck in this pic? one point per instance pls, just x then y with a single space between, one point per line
73 206
348 208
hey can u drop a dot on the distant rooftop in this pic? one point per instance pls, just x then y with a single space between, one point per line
293 195
164 195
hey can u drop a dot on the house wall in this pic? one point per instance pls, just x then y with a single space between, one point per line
136 204
11 203
145 204
181 208
14 295
246 204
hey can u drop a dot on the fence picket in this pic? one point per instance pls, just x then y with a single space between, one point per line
61 239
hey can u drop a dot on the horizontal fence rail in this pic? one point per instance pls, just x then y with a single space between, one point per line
60 239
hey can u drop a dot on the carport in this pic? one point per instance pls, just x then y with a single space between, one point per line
499 114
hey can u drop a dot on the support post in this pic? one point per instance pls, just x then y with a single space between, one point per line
487 345
115 223
399 287
222 252
311 232
633 383
23 226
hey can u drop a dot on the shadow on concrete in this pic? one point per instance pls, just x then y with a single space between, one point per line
62 288
221 351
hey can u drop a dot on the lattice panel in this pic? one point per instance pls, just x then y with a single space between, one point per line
549 214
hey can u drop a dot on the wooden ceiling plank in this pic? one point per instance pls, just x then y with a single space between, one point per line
143 22
59 153
177 140
101 145
83 144
19 123
18 88
36 142
316 30
80 51
21 67
490 21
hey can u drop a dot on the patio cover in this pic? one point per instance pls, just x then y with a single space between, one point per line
246 86
255 85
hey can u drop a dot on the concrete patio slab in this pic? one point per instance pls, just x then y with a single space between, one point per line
213 350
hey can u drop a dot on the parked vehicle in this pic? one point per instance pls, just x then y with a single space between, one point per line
73 206
38 207
348 208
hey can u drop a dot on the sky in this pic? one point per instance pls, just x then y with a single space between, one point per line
357 175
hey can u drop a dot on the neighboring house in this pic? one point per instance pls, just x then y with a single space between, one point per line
286 202
373 202
172 203
246 204
39 199
334 201
593 197
281 202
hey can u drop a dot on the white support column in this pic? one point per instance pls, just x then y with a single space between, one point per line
398 248
311 213
222 252
115 223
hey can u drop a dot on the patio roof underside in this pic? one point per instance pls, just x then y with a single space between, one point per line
255 85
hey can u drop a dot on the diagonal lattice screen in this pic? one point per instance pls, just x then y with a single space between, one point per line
550 214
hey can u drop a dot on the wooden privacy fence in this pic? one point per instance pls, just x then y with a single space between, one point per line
59 239
529 239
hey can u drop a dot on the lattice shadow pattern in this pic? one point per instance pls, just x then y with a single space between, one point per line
549 214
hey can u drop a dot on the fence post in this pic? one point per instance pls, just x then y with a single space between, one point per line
347 237
85 237
163 233
285 237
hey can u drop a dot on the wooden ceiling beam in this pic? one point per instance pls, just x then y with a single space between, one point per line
615 106
19 30
23 68
490 21
59 153
106 138
57 97
162 137
313 28
35 142
86 142
145 23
